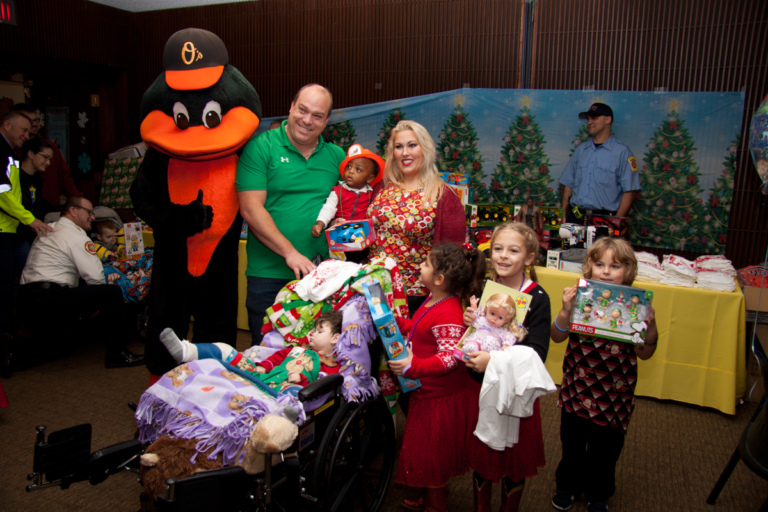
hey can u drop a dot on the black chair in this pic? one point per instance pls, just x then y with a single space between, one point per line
753 446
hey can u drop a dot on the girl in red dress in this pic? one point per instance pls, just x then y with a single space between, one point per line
438 418
513 250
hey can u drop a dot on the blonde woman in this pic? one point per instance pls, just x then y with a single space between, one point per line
413 208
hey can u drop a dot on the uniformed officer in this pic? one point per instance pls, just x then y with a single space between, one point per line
51 299
601 178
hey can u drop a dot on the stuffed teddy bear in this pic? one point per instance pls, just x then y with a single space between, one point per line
172 458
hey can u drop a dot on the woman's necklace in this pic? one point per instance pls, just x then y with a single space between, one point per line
413 329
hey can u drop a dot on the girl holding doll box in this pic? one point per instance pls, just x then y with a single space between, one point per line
513 250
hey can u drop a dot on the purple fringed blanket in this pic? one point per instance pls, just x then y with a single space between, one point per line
203 400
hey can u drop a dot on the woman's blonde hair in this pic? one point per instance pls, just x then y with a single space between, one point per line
622 253
428 174
507 303
531 244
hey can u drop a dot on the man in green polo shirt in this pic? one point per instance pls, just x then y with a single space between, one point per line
283 179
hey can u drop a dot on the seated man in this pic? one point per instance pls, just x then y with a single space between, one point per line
51 299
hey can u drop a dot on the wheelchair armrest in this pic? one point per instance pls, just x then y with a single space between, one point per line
320 387
113 459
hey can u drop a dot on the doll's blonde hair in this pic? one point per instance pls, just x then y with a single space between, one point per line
505 302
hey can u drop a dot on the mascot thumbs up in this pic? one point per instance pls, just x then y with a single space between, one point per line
195 117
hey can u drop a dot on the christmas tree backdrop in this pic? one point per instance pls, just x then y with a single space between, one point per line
670 212
342 134
683 205
719 204
523 171
457 151
395 116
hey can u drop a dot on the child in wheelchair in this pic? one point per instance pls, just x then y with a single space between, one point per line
288 366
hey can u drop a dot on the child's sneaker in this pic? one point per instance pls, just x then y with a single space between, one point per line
597 506
563 500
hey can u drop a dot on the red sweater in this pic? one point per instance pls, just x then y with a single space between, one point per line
436 332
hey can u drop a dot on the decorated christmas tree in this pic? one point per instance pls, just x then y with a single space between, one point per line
719 202
395 116
342 134
582 136
457 151
670 214
523 171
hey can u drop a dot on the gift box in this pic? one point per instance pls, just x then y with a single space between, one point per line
489 215
611 311
455 178
552 216
350 236
134 241
394 345
617 226
462 192
470 211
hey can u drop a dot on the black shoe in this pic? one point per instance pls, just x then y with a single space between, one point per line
123 359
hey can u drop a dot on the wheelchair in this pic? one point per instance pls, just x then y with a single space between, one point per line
342 460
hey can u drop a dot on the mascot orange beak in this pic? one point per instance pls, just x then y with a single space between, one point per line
198 142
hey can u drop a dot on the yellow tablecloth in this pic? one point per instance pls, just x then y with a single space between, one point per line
242 313
702 341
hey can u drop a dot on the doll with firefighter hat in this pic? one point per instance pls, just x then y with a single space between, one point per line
194 118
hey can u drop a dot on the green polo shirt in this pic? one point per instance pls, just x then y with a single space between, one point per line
296 190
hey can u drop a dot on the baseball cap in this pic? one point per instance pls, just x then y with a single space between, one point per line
597 110
358 151
194 59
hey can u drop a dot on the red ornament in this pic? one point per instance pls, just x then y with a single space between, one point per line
453 135
725 171
699 201
658 182
514 173
658 222
519 138
665 145
335 132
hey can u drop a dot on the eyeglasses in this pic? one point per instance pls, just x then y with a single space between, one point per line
45 157
90 212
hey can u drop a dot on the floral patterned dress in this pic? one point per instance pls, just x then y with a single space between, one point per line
404 232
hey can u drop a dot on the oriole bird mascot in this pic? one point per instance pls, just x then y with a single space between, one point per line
195 117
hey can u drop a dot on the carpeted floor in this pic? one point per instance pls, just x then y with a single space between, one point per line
672 457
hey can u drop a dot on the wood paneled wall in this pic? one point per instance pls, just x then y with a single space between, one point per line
695 45
413 47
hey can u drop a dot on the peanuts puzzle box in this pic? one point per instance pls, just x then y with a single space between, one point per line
611 311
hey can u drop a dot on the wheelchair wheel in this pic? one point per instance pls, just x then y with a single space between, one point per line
356 458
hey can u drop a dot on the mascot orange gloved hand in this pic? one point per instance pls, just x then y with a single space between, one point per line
195 117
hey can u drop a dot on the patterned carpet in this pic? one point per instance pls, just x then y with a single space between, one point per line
672 457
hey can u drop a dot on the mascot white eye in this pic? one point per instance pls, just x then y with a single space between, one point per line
212 114
180 116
